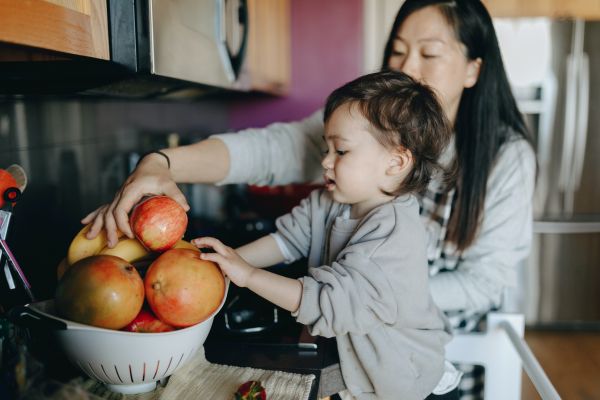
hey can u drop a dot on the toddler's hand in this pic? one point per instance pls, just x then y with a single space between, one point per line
234 266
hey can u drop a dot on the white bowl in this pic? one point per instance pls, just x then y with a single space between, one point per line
126 362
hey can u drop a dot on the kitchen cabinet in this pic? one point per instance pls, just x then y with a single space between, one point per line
76 27
267 66
128 51
584 9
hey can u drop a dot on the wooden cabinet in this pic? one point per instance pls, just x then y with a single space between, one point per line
584 9
267 66
78 27
57 30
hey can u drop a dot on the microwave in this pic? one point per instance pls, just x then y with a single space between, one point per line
177 46
200 41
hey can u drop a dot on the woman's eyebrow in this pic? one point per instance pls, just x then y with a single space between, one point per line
427 39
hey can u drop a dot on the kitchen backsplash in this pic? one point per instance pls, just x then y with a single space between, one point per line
78 152
76 155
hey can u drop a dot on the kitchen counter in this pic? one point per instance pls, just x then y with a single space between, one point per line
247 332
297 358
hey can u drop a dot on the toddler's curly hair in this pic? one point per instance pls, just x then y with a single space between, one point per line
404 114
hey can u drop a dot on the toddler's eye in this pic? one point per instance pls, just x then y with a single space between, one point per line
340 152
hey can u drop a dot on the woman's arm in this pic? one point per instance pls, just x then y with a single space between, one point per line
206 161
504 240
278 154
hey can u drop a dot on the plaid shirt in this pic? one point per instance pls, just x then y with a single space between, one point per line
435 209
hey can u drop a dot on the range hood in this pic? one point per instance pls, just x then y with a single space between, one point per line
158 49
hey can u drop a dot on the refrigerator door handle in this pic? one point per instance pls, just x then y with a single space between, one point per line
566 160
583 103
566 227
573 117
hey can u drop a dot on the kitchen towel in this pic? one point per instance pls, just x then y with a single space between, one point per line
200 379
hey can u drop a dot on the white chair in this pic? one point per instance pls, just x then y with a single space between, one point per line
493 350
500 350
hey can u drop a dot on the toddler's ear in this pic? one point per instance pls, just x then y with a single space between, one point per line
400 162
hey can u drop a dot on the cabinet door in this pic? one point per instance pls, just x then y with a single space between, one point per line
69 26
585 9
267 66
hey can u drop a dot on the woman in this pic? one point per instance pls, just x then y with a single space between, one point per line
479 229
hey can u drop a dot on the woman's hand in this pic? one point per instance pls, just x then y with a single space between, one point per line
234 266
151 177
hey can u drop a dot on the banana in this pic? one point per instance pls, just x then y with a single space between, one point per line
183 244
128 249
82 247
63 266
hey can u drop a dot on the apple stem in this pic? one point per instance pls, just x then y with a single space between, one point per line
156 286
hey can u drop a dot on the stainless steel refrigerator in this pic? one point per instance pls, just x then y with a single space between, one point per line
554 68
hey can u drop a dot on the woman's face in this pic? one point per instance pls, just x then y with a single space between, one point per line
427 49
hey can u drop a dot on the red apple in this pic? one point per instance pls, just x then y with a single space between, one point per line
101 290
146 322
158 222
183 289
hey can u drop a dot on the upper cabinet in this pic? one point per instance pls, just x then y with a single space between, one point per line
145 48
584 9
267 65
78 27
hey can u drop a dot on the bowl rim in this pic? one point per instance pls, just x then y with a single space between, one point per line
46 308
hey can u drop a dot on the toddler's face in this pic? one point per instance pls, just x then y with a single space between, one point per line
355 162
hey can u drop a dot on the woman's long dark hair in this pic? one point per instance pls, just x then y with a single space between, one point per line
487 115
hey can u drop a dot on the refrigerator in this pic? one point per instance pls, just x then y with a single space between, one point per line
554 70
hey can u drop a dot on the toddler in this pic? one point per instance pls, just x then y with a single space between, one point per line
367 280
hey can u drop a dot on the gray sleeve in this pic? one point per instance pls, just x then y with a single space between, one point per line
294 229
353 294
504 240
278 154
356 293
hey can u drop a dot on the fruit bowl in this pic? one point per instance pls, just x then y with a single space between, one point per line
126 362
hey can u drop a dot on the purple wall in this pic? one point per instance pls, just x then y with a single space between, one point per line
327 51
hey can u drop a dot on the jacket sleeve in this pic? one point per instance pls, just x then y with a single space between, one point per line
278 154
294 234
350 295
504 240
355 293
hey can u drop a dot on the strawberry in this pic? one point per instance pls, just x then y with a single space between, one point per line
251 390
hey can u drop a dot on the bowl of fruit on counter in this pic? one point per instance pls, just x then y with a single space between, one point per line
131 315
